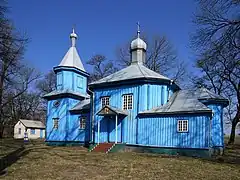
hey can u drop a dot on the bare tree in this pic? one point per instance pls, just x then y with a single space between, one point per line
47 83
161 57
217 43
44 85
102 67
15 77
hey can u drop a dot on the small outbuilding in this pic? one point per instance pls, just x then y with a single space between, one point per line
34 129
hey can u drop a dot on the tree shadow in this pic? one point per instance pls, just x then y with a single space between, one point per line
11 158
20 152
231 156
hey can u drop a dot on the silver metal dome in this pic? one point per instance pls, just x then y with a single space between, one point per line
138 44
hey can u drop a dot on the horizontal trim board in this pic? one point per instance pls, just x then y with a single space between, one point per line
169 147
64 95
69 68
65 143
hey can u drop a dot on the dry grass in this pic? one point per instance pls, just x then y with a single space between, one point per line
44 162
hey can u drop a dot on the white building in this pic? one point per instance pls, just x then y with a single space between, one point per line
34 129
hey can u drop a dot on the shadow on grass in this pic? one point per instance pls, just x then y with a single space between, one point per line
231 156
15 149
11 158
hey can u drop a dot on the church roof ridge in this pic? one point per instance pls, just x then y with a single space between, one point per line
132 72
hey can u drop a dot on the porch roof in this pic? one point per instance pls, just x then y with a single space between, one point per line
109 110
82 105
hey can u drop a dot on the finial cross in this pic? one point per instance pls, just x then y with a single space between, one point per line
73 27
138 29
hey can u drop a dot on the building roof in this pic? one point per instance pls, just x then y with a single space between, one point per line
72 58
82 105
134 71
111 110
205 94
182 101
32 123
65 91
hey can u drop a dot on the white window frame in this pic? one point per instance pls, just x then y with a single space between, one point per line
105 100
55 123
125 104
82 122
182 125
19 131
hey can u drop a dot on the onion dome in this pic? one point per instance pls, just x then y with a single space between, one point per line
138 43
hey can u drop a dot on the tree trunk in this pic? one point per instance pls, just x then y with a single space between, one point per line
1 130
232 135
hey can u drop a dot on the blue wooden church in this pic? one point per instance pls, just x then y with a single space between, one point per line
135 107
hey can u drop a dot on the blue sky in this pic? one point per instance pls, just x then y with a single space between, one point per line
102 26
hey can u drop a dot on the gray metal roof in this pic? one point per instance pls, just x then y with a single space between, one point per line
32 124
134 71
72 59
203 93
82 105
65 91
182 101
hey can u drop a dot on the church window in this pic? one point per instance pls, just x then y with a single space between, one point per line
56 103
79 82
127 101
59 79
82 122
105 101
182 126
19 131
55 123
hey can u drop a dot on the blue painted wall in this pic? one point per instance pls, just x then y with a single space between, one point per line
68 128
217 134
145 97
162 131
149 130
71 80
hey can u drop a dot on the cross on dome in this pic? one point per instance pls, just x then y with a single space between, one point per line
138 43
138 29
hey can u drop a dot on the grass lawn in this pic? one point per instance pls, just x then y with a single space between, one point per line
38 161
